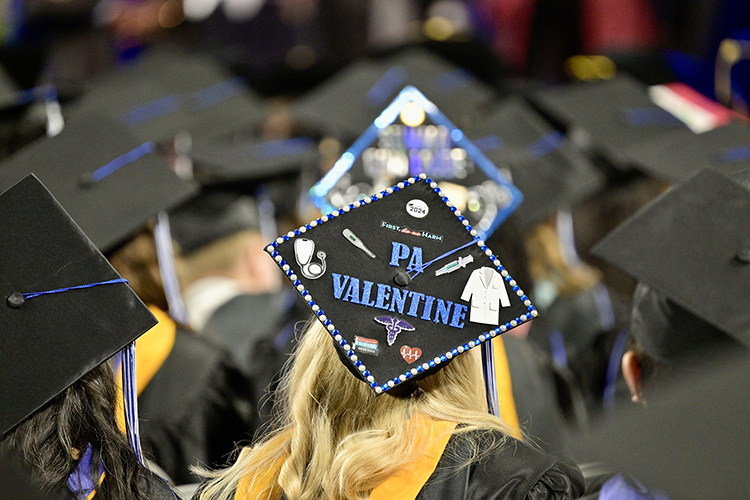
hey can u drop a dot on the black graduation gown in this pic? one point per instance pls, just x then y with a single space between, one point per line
514 470
195 409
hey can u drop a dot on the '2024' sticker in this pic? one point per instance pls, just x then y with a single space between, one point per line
417 208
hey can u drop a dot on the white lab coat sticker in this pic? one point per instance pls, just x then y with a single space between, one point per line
485 288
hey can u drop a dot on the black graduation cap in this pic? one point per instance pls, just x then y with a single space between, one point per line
401 281
692 246
540 160
110 183
690 441
676 157
347 104
88 314
211 215
224 160
608 117
169 91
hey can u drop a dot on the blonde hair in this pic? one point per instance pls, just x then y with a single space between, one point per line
218 257
547 262
336 440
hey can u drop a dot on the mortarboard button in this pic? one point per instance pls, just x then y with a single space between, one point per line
15 300
402 278
743 255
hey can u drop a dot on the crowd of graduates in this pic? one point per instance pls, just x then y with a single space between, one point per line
195 337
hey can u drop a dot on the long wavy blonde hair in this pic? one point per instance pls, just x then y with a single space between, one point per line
335 440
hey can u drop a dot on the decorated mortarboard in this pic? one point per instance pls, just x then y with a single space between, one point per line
400 143
349 102
540 160
224 160
692 245
607 118
211 215
110 183
690 441
401 281
170 91
676 157
65 310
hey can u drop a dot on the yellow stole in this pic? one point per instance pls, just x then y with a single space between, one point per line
508 411
151 351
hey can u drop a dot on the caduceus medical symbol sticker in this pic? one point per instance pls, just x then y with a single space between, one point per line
393 326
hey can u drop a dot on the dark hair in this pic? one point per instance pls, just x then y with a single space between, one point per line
81 415
137 262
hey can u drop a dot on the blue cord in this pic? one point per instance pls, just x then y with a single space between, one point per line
31 295
121 161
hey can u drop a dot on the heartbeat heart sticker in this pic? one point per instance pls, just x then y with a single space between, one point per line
410 354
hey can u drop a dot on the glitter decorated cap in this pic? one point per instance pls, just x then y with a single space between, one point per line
110 183
676 157
50 340
401 281
692 245
411 136
607 118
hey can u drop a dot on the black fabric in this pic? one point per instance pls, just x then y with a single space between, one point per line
228 159
665 330
17 481
691 440
607 118
678 156
513 470
542 163
535 395
195 409
247 327
154 487
176 91
348 103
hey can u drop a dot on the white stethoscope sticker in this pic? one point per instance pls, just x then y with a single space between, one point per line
303 252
